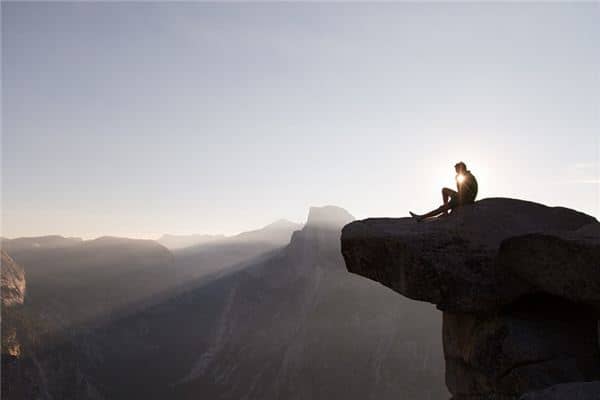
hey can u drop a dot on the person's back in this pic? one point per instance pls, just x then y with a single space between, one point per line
466 192
467 188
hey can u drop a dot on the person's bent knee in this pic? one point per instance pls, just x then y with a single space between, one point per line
447 191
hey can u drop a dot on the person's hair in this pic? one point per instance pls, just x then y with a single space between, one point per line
461 165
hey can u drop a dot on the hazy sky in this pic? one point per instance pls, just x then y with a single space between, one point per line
137 119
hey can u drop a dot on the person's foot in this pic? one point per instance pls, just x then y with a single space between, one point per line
415 216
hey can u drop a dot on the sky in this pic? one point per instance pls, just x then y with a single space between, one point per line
138 119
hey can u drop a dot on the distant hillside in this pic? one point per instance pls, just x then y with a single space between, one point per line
39 242
278 233
175 242
72 287
215 257
283 322
295 325
74 281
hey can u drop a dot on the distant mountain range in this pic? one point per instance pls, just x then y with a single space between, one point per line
278 233
79 281
232 252
46 242
298 326
266 314
174 242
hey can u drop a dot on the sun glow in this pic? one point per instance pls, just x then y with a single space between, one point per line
481 162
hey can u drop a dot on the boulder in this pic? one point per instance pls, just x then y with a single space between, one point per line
453 261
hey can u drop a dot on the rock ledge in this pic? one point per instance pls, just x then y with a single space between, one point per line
517 282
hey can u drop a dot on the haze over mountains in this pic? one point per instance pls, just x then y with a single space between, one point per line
297 326
277 233
230 252
173 242
266 314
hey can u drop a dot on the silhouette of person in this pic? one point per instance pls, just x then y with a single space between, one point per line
466 186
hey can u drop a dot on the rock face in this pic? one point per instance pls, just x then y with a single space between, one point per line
570 391
13 294
13 281
17 372
518 282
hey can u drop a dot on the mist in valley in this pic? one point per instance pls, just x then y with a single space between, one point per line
270 313
176 177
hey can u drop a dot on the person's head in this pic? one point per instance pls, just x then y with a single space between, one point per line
460 167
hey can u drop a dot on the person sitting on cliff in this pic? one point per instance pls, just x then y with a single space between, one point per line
466 186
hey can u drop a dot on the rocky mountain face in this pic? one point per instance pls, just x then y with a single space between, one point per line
291 325
73 286
13 295
277 233
13 281
286 323
296 326
19 373
78 282
215 257
519 287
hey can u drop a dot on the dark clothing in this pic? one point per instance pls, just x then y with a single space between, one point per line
454 201
467 190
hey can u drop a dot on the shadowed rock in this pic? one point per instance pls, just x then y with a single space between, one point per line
452 261
570 391
519 284
518 351
565 264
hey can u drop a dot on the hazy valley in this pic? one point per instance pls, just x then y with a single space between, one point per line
266 314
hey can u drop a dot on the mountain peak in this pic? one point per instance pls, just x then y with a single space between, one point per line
276 232
282 224
329 216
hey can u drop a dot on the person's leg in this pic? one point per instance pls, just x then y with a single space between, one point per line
447 196
441 209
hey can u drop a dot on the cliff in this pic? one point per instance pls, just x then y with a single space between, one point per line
13 295
518 284
13 281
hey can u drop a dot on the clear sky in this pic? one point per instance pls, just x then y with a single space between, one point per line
136 119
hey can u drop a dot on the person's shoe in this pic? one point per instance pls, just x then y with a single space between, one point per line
415 216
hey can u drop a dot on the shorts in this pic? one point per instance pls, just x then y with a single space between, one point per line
457 201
